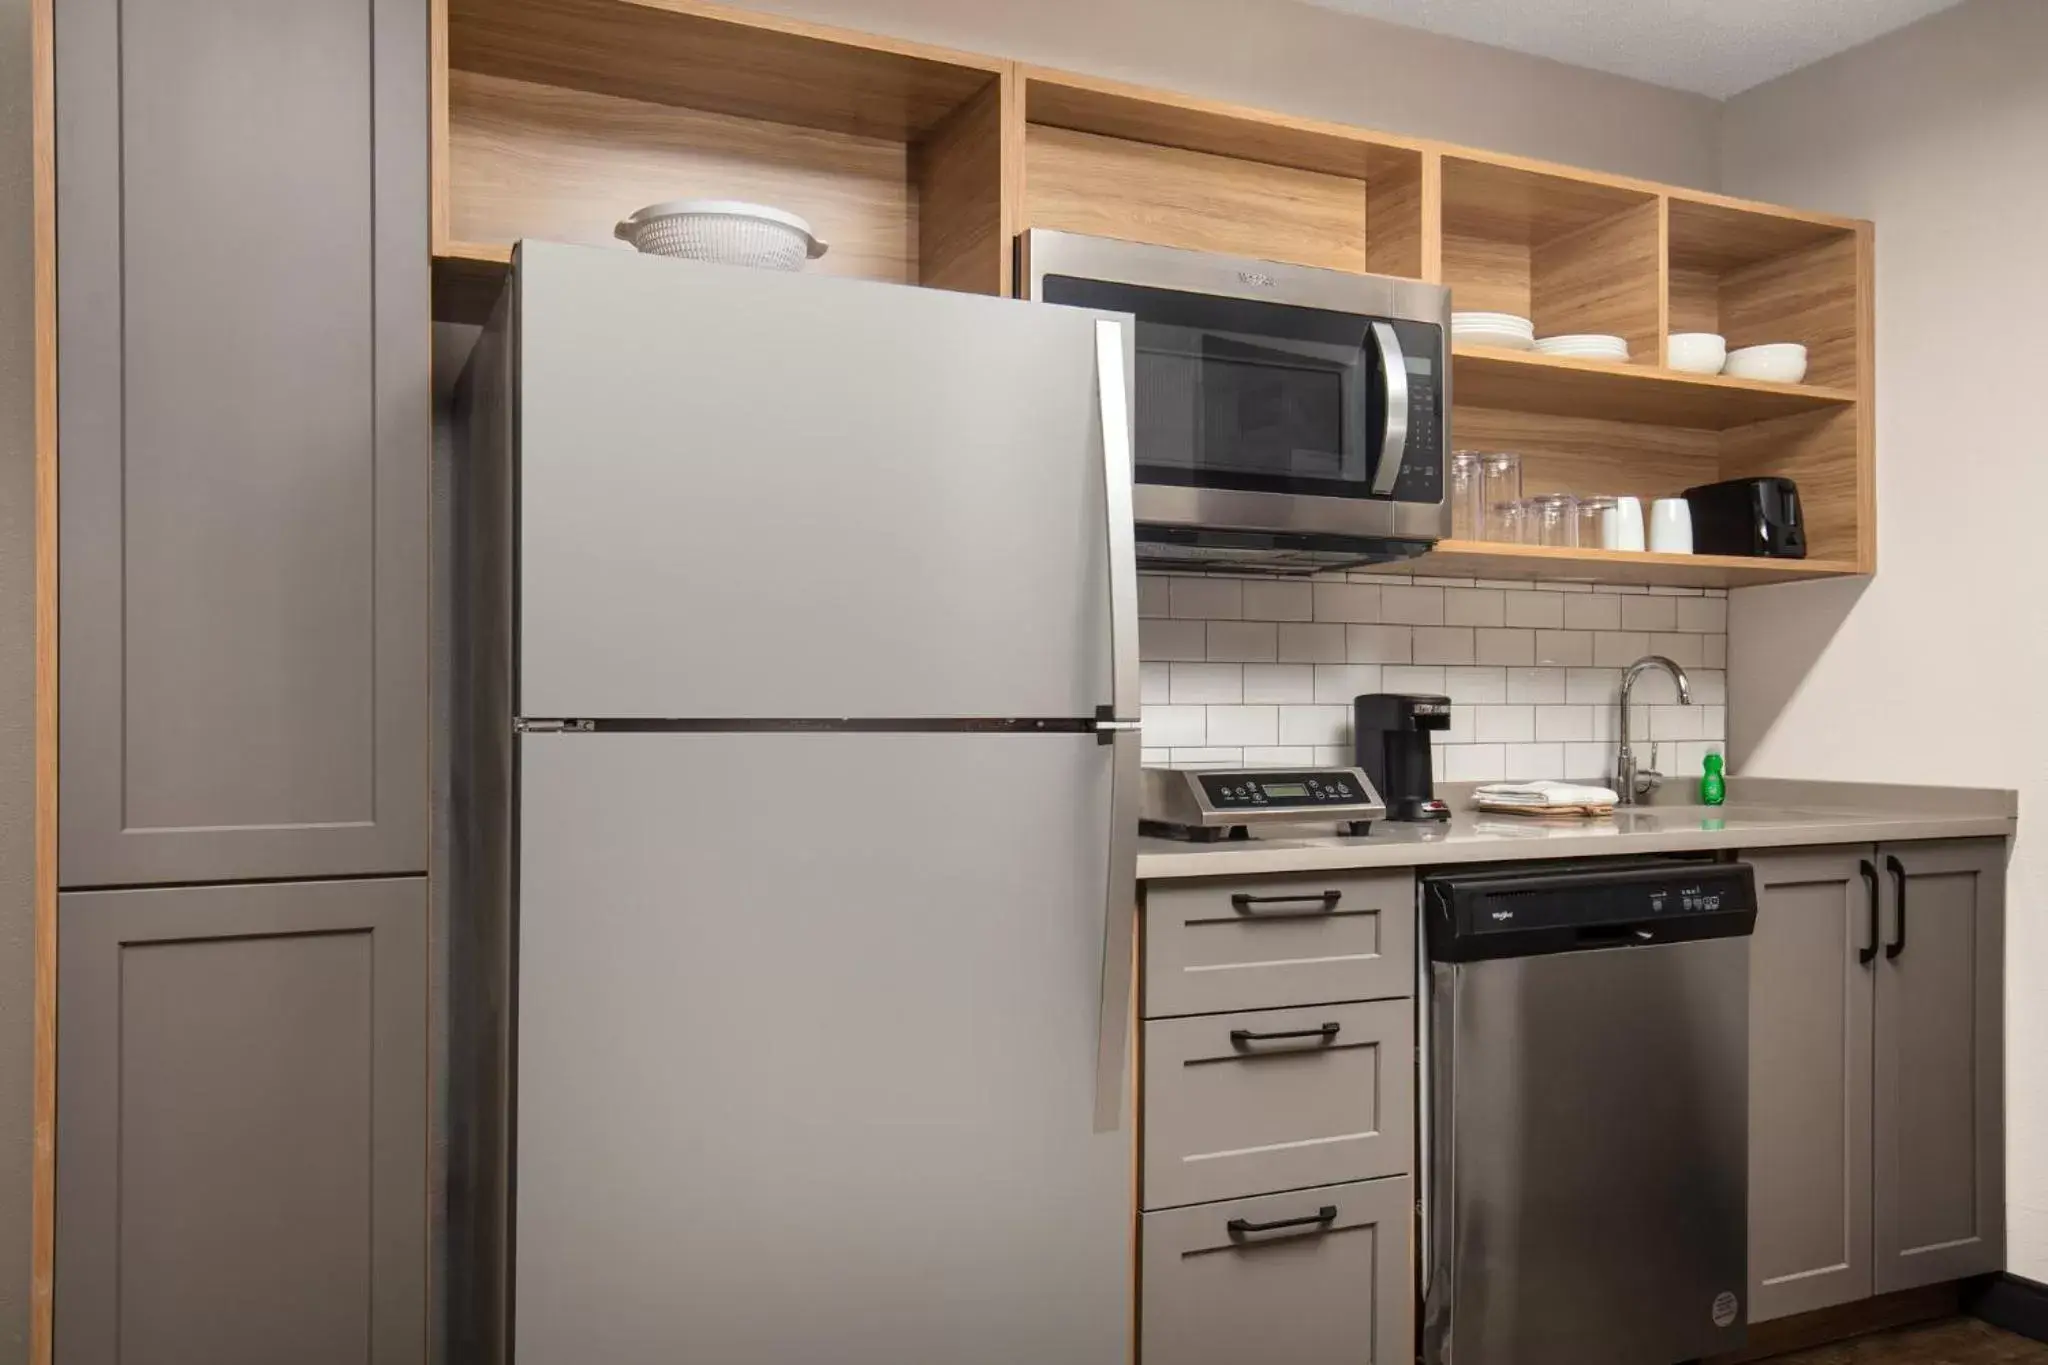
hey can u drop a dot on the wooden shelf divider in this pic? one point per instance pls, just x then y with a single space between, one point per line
1563 386
1487 559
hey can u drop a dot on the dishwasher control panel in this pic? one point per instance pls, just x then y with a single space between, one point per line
1470 916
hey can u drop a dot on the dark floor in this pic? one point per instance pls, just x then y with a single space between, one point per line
1958 1341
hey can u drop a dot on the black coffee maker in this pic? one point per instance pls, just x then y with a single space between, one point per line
1391 736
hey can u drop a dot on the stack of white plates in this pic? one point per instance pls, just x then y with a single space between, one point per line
1587 347
1493 329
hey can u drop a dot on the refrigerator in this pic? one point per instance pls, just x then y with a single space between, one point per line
794 823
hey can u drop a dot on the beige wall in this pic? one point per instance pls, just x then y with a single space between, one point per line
1937 669
1321 64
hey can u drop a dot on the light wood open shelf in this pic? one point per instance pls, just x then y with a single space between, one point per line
1527 381
1486 559
555 118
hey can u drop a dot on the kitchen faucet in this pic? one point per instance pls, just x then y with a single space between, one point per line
1629 782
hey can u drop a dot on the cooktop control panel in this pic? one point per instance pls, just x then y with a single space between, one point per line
1315 789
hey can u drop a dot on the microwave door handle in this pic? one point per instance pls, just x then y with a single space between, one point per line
1394 389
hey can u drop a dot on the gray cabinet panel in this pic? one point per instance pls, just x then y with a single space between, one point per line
1231 1109
241 1151
242 295
1335 1289
1809 1087
1246 945
1940 1130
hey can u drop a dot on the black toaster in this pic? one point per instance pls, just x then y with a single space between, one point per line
1748 517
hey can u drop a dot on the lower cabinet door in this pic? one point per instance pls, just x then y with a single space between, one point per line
241 1124
1940 1150
1309 1278
1811 973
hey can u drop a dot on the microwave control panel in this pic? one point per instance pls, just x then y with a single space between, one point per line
1422 458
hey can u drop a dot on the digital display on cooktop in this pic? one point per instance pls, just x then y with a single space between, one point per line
1264 791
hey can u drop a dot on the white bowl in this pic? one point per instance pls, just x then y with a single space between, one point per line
1513 320
1493 336
1782 362
1697 352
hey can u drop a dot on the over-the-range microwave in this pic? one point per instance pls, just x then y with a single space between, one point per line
1288 418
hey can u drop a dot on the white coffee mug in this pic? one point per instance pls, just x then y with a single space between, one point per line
1622 527
1671 526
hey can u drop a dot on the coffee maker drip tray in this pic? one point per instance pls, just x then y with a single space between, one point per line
1214 803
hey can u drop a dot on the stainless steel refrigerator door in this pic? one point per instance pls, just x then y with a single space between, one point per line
749 494
1590 1173
806 1052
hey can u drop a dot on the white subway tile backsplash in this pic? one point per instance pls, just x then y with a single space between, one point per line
1315 725
1540 686
1530 762
1643 613
1507 647
1347 601
1164 640
1208 757
1601 686
1475 607
1379 644
1278 601
1437 581
1687 651
1261 682
1206 683
1283 683
1504 723
1564 722
1207 599
1412 606
1619 648
1706 615
1311 644
1243 641
1279 755
1657 590
1474 685
1594 611
1443 644
1474 763
1564 648
1418 681
1536 610
1622 589
1244 725
1341 684
1174 726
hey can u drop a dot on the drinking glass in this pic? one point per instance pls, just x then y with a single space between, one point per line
1552 519
1500 480
1507 521
1593 513
1468 507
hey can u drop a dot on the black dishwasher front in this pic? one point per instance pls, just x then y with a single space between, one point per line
1587 1165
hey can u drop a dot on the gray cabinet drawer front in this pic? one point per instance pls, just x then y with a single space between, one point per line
1331 1290
1229 1115
1278 941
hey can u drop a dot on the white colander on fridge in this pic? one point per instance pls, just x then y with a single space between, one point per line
722 230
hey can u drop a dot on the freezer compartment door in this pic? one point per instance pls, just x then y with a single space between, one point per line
755 495
806 1052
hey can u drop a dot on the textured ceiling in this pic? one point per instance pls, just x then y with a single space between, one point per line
1713 47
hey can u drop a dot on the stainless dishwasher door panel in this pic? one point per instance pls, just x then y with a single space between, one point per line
1600 1139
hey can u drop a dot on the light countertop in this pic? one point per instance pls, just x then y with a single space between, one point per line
1760 813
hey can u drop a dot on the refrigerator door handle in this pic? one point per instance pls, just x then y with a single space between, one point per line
1112 377
1120 895
1119 934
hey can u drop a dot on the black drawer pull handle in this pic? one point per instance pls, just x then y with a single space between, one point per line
1898 871
1868 954
1240 1036
1243 902
1322 1217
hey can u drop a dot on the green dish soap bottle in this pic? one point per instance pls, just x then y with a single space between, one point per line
1713 787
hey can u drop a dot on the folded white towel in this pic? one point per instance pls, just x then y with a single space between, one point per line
1537 795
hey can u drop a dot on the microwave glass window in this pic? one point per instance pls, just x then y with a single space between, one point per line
1248 396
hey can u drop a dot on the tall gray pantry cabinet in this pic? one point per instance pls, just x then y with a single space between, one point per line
243 428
